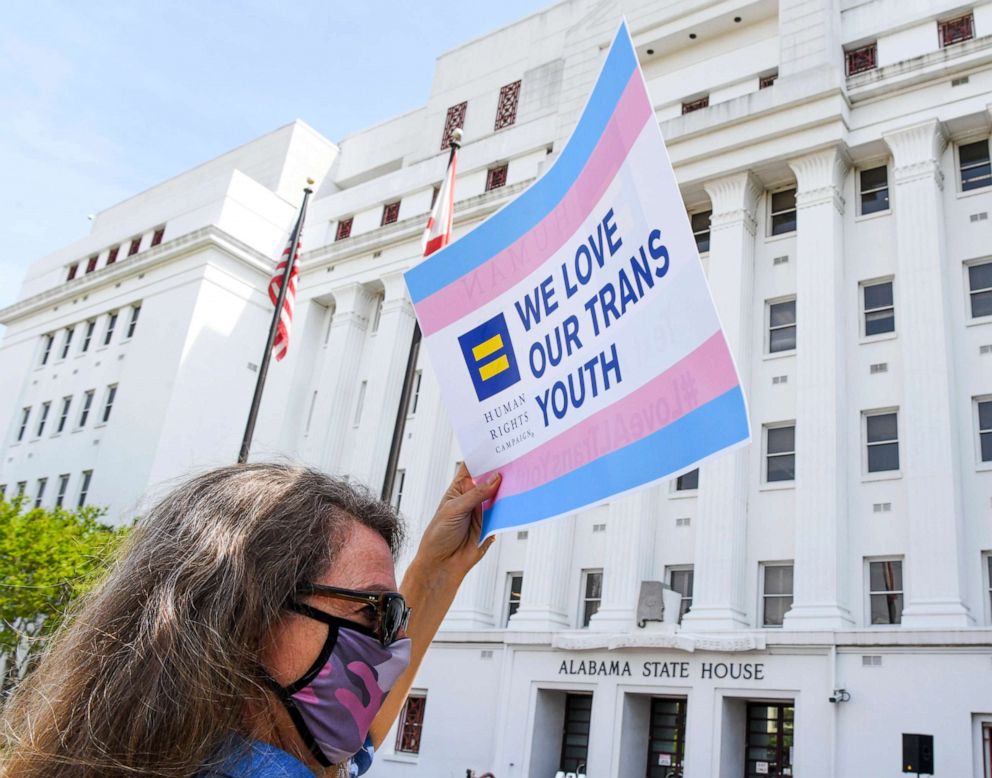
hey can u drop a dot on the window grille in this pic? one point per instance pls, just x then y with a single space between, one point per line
496 177
506 108
390 213
344 228
696 105
863 59
956 30
454 120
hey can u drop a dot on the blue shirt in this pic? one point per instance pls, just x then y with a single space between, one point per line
255 759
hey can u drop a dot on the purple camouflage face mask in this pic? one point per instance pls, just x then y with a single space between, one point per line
334 708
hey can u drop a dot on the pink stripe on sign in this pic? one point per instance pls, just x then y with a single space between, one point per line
510 266
690 383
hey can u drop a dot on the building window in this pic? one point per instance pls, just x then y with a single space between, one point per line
359 405
45 408
680 579
695 105
776 597
398 483
687 482
435 191
862 59
39 494
73 269
108 406
390 213
980 289
956 30
770 738
882 442
454 120
64 414
782 326
701 230
135 246
592 596
514 590
25 415
666 744
91 263
88 336
133 323
984 411
506 108
766 81
63 488
158 235
879 309
67 342
84 414
885 591
111 323
84 488
496 176
575 736
344 228
976 171
780 453
46 346
874 189
411 724
415 394
22 487
784 211
112 256
3 492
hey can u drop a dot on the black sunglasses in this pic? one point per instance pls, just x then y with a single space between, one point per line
391 613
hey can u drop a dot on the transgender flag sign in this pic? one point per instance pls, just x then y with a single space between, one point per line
573 334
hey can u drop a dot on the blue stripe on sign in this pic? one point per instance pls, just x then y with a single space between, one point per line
524 213
711 427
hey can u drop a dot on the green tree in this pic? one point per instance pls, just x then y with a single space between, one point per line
47 559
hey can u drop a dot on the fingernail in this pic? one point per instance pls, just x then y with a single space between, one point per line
495 477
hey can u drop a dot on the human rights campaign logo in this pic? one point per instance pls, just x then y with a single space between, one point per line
489 356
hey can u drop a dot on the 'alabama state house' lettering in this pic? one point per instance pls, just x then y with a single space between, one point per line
737 671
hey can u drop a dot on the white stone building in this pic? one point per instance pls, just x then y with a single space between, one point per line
834 157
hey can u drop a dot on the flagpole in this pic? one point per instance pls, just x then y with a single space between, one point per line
263 368
399 426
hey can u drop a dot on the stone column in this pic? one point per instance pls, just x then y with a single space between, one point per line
474 605
337 386
630 532
544 602
820 594
390 352
721 526
928 450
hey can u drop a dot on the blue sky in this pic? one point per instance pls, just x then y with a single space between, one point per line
104 99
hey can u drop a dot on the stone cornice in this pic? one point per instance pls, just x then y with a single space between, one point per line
470 209
682 641
177 248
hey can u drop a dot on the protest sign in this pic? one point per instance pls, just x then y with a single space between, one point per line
573 334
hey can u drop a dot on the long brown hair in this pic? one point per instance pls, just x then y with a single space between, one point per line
160 662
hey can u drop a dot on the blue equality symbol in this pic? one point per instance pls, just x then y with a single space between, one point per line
489 357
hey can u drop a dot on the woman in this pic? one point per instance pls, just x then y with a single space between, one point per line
251 627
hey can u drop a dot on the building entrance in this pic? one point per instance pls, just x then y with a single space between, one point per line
770 733
666 743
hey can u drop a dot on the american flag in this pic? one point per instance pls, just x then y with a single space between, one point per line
438 232
281 343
